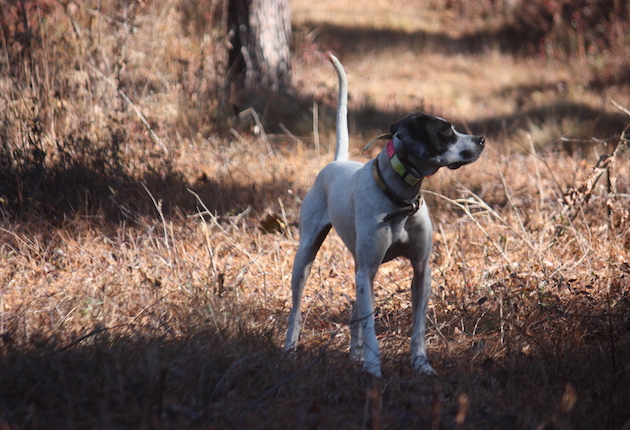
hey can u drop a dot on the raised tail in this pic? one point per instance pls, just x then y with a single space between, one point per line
341 151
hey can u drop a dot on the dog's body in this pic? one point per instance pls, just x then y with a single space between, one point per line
376 210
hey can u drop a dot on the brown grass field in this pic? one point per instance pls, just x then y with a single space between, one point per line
147 229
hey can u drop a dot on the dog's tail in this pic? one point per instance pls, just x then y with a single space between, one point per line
341 151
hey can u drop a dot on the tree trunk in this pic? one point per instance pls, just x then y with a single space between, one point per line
259 34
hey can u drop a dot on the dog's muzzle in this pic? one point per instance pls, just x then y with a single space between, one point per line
470 155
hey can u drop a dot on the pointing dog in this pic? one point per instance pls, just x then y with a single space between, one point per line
377 210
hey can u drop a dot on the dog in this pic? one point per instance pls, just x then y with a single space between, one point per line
377 210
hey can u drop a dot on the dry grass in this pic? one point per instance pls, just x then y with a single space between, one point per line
138 287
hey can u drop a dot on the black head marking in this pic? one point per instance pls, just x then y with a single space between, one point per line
433 133
411 117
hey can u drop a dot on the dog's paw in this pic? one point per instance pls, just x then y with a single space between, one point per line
372 369
290 347
421 365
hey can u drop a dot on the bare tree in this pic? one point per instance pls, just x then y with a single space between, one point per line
259 34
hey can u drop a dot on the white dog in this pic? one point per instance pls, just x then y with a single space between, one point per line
377 211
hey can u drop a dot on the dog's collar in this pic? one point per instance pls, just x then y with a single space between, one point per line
407 207
399 166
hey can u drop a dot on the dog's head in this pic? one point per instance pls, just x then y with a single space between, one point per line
428 142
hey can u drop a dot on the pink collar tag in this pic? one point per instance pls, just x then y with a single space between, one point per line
391 151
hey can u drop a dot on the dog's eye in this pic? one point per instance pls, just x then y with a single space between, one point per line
447 134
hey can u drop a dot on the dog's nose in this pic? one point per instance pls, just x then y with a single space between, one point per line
481 141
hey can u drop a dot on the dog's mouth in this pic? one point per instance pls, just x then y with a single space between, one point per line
454 166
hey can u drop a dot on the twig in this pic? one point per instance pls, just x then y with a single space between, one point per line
466 209
449 251
85 336
206 233
515 210
90 334
133 106
158 207
541 191
291 135
591 140
621 108
234 244
609 315
475 200
28 243
284 219
238 136
261 130
577 197
146 308
316 129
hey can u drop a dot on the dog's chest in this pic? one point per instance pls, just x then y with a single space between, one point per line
409 236
401 242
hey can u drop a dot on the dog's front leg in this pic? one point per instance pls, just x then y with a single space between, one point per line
365 342
356 335
420 293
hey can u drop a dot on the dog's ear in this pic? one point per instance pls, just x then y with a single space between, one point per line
394 127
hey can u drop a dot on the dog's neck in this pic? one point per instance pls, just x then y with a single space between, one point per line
395 175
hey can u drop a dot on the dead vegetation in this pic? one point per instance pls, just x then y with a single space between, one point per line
146 252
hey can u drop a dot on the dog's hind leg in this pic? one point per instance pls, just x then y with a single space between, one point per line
313 231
